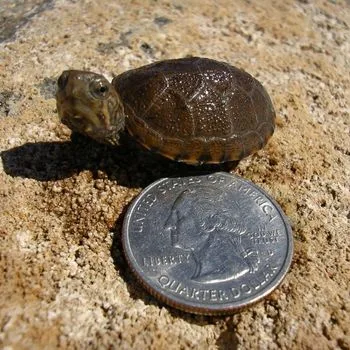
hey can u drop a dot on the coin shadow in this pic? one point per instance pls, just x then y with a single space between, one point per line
136 291
226 340
128 164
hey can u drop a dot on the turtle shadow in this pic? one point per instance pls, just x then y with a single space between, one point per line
128 164
138 292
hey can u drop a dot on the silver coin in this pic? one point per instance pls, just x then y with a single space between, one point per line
207 244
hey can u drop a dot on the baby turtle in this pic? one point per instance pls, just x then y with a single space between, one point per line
193 110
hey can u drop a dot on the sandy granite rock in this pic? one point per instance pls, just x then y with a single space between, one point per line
63 279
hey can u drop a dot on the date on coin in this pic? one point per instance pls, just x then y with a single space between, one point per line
208 244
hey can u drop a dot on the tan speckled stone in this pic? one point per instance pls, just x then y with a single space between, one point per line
63 280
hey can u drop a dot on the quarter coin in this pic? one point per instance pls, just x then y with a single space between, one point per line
208 244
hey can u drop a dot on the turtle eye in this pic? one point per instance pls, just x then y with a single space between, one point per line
63 80
99 89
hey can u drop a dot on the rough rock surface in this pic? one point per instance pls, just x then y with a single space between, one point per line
63 279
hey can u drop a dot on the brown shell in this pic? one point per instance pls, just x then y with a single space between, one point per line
196 110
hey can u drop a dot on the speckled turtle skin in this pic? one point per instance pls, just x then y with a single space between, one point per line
196 110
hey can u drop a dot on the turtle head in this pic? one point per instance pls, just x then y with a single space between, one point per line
87 103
